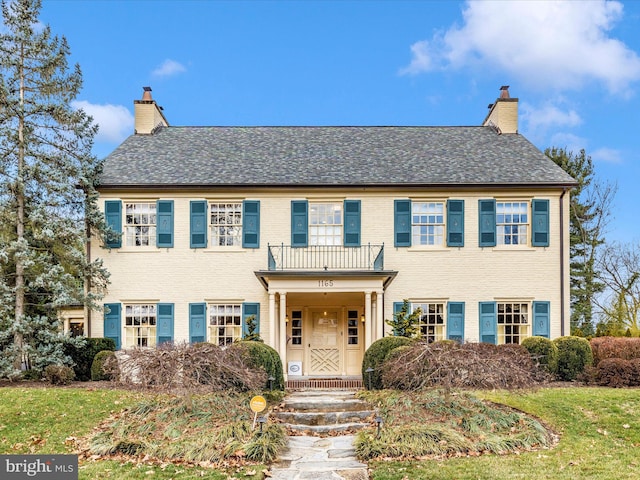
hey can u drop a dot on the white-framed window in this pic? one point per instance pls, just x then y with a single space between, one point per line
513 322
225 221
140 325
325 223
140 224
353 327
432 320
296 327
427 223
225 323
512 222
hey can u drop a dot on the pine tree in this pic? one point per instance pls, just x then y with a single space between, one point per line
47 191
589 214
405 323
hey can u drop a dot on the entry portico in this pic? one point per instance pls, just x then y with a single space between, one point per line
324 320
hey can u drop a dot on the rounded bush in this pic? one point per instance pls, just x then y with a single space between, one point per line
618 372
574 355
260 355
59 374
83 356
97 367
374 358
543 352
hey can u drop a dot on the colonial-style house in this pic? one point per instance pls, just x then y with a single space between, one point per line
320 233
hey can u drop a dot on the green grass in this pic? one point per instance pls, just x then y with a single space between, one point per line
599 438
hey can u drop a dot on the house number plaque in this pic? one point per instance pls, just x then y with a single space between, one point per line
325 283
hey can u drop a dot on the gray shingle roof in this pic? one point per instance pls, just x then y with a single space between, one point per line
332 156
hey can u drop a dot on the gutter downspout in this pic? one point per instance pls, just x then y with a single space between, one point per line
562 272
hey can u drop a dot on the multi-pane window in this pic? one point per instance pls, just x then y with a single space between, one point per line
431 324
512 222
325 223
513 322
226 224
225 323
352 327
140 325
427 223
140 224
296 327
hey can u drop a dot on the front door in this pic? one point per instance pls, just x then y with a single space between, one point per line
325 347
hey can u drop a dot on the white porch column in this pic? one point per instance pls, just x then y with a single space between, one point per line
283 332
272 320
368 321
379 314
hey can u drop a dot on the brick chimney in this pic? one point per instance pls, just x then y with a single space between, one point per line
503 115
148 115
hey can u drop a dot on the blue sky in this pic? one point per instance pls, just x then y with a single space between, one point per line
575 66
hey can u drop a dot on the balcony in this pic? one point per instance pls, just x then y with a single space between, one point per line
326 257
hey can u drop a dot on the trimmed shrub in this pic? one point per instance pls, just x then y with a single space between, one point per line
374 358
98 372
83 356
618 372
260 355
614 347
543 352
59 374
574 355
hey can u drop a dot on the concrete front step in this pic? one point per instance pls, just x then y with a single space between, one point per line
333 427
324 418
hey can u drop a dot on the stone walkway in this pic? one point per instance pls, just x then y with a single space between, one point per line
319 459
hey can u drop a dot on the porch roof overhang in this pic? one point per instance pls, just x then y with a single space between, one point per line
384 276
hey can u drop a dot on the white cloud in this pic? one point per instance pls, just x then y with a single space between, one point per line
168 68
608 155
548 116
558 44
115 121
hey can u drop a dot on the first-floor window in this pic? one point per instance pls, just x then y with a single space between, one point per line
296 327
513 322
226 224
431 324
140 224
225 323
140 325
427 223
352 327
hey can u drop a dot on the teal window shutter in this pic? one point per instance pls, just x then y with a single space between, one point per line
249 309
113 216
112 322
197 322
164 325
488 322
299 223
455 321
487 220
540 223
251 224
352 223
198 230
541 319
455 223
164 226
402 223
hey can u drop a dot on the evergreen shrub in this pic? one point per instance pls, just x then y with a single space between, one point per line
374 358
259 355
574 355
97 367
543 351
83 356
59 374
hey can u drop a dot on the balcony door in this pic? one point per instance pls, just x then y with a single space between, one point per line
325 342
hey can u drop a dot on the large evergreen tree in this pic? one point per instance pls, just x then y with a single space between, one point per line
47 194
589 215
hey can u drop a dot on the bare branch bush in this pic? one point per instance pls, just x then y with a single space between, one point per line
468 366
186 368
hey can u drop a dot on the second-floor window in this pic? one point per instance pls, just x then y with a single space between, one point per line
512 221
427 223
226 224
140 224
325 223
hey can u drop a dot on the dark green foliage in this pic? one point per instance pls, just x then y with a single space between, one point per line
617 372
83 355
260 355
59 374
543 351
97 367
405 323
251 334
574 355
374 358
